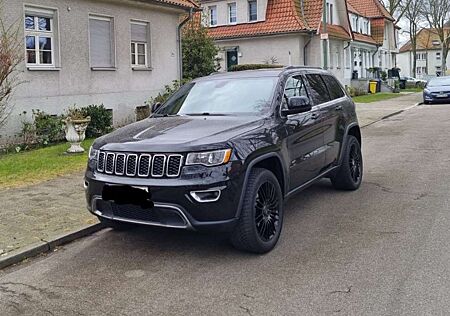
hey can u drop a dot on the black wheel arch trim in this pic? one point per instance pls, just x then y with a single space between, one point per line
345 140
249 169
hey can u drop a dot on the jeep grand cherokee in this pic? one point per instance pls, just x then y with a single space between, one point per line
225 152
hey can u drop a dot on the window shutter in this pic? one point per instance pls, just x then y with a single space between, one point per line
139 33
101 44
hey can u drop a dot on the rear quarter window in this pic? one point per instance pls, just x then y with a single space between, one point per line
334 87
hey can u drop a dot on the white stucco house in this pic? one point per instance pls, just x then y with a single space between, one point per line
358 34
117 52
428 57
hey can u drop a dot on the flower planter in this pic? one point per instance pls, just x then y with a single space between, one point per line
76 133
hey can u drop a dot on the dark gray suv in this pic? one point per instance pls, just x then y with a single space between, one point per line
225 152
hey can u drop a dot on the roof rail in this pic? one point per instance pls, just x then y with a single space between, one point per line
303 67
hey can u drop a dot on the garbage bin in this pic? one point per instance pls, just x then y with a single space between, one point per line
402 83
378 85
373 86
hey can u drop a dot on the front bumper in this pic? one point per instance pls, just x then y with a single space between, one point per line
434 98
175 206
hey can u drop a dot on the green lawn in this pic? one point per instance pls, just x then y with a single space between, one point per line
412 90
369 98
18 169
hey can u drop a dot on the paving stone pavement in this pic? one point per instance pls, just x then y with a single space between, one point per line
39 212
42 211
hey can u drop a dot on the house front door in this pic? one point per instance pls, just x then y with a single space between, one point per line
232 58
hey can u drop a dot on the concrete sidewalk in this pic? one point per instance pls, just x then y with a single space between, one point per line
32 216
368 113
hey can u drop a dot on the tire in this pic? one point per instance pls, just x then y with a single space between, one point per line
350 173
259 226
116 225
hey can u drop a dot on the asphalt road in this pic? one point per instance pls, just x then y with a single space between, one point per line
383 250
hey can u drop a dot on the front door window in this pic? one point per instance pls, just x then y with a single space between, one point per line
232 58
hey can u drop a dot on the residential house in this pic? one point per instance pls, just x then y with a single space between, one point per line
358 35
286 32
117 52
428 56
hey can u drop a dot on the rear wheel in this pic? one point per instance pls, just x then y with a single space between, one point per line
349 174
116 225
261 220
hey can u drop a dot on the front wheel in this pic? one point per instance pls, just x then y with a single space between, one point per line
261 220
349 175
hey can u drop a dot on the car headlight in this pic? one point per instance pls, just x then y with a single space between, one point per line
426 91
93 153
209 158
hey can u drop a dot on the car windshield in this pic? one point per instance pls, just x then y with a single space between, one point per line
439 82
222 97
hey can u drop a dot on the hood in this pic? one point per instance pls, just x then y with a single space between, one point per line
443 88
178 133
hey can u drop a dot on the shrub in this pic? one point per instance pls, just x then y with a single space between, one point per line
384 75
253 67
167 93
49 128
101 120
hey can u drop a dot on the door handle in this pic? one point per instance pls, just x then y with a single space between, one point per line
338 108
315 115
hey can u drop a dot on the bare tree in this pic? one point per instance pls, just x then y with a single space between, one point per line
437 12
11 56
413 14
396 8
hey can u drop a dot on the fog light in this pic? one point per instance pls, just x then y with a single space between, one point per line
207 196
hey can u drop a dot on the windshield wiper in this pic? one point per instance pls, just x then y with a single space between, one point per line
205 114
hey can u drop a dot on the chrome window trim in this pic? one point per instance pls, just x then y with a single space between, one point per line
135 166
106 163
139 165
179 166
163 167
124 164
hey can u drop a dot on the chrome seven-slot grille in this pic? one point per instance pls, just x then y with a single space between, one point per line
140 165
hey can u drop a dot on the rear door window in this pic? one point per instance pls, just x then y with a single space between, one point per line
318 90
334 87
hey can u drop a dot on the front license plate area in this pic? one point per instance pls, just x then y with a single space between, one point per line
123 194
442 95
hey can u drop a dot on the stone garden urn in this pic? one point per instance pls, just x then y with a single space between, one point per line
76 133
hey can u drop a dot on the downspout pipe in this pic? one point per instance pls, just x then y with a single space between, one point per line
305 48
180 46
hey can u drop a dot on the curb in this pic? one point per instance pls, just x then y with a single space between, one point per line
47 246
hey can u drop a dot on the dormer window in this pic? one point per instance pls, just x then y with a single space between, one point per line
436 43
232 13
212 15
252 10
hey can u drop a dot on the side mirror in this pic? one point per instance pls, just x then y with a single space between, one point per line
298 104
156 106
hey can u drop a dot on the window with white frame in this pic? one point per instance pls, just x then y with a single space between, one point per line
212 15
101 42
438 55
329 13
40 37
140 44
252 10
232 12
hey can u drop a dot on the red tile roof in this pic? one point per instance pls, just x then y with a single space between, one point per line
181 3
370 9
337 31
425 39
364 38
377 30
281 17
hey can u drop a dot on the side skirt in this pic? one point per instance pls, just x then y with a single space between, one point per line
310 182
